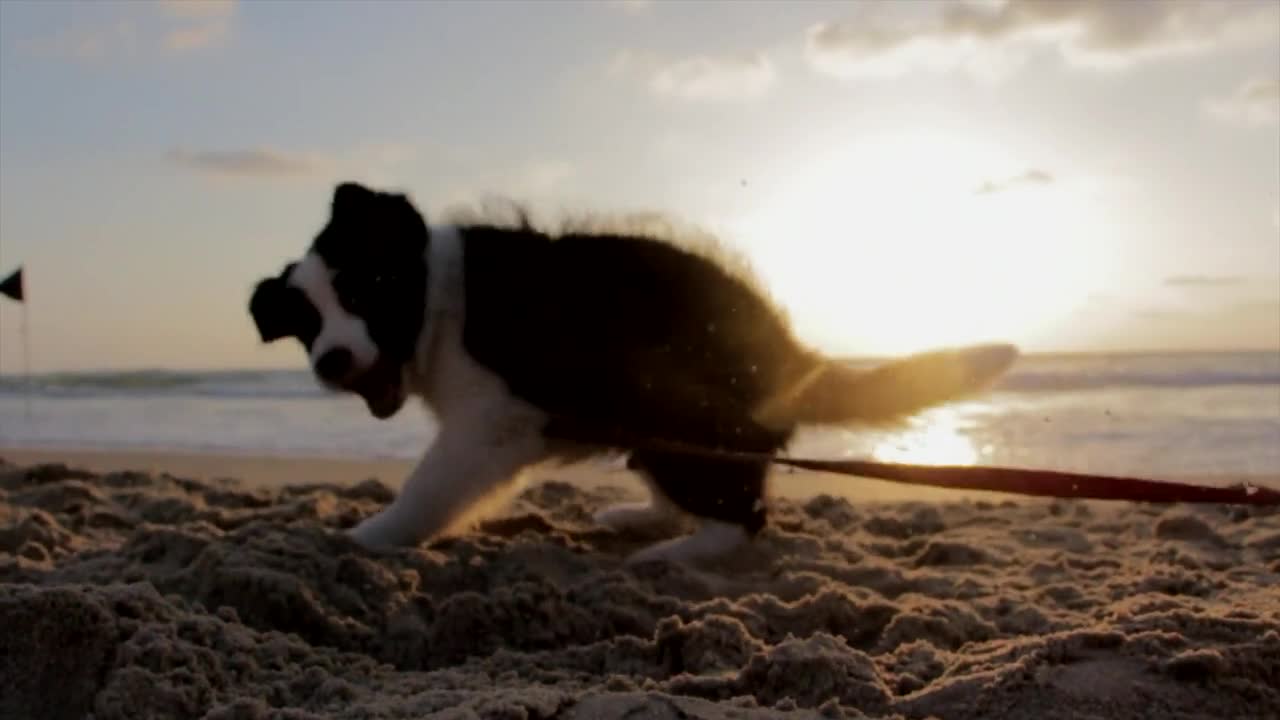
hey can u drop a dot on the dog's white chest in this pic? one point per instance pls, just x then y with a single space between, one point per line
448 379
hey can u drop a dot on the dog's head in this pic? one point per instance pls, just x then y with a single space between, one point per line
355 300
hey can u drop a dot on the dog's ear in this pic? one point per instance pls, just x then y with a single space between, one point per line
269 307
379 223
351 199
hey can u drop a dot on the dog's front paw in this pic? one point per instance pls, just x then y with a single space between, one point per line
377 533
363 536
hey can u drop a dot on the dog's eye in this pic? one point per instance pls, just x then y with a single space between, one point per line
356 287
347 286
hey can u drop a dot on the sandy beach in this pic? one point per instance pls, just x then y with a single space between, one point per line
184 586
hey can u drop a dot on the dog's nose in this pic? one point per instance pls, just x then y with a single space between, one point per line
334 364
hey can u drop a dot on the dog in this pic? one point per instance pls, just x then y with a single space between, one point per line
522 342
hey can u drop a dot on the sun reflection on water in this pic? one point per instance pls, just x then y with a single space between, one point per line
936 438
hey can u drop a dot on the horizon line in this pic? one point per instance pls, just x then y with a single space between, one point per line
1040 354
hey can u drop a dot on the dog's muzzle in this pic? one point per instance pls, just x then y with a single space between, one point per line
280 311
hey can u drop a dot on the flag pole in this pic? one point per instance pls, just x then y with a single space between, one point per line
26 362
14 286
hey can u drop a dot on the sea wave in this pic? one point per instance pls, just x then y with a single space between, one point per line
1051 381
268 384
1031 375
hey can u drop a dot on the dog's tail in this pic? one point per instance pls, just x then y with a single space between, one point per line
833 393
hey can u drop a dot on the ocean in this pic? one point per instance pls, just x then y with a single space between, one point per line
1175 416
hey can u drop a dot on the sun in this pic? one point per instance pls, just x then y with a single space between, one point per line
893 244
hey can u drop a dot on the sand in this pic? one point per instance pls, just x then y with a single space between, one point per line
167 594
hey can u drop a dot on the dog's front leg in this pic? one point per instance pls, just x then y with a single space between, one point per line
466 463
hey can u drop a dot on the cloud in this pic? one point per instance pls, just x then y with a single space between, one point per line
884 42
1030 177
993 39
726 77
369 161
262 162
1204 281
167 26
723 77
199 23
199 9
1254 103
195 37
632 7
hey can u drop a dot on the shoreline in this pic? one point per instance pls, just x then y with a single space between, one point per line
264 470
254 469
274 471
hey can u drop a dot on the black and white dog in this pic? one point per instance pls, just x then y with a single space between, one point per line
518 341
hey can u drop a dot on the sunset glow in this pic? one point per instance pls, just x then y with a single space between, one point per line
955 260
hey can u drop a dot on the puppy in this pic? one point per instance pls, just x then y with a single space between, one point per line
532 348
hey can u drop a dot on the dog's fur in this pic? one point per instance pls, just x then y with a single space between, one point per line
520 341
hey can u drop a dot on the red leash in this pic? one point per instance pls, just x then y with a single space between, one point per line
1044 483
1041 483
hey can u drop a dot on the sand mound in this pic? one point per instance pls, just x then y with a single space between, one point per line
129 595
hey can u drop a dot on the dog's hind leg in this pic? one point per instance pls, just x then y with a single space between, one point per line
726 495
638 515
714 539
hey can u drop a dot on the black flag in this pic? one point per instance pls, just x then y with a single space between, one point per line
12 286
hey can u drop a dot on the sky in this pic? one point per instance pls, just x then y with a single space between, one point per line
1069 175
